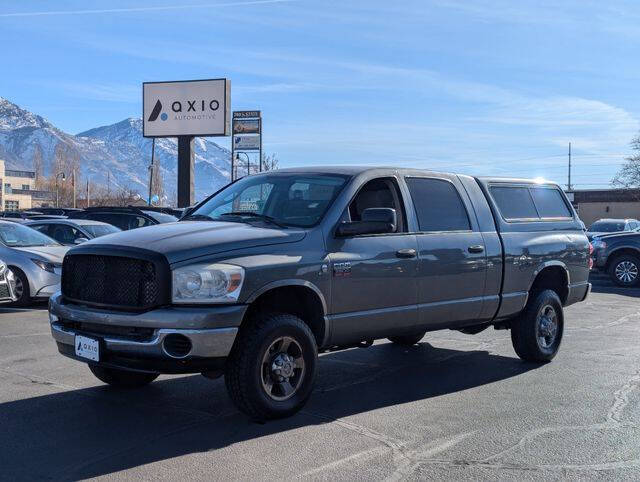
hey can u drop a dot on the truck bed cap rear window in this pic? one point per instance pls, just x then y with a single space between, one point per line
530 202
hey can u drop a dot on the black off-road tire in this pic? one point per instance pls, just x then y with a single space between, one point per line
525 329
407 340
25 298
122 378
244 367
633 262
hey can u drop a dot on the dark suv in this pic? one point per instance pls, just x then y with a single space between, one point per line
282 265
124 218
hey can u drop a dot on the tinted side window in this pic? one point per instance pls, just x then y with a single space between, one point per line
438 205
117 220
514 202
43 228
550 203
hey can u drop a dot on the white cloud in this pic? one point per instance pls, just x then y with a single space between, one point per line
138 9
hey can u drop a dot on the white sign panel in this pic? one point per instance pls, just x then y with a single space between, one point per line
186 108
242 142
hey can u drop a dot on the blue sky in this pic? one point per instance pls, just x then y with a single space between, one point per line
478 87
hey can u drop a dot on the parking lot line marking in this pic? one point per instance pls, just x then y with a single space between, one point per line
27 334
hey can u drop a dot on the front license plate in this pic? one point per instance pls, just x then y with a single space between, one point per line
87 348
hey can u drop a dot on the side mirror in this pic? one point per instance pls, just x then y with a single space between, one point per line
80 240
374 221
383 215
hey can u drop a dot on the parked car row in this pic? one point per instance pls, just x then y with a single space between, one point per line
33 243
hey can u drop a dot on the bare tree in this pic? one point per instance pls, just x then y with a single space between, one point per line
125 196
270 162
38 166
157 182
629 174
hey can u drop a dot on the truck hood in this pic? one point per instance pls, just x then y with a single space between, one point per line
191 239
53 254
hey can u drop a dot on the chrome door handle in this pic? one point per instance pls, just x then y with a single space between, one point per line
477 248
406 253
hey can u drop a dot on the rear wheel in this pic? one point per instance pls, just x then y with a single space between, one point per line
536 335
624 270
271 369
407 340
122 378
21 288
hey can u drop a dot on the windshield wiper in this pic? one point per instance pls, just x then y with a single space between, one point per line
196 217
255 215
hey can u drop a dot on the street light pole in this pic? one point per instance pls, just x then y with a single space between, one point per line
248 161
57 190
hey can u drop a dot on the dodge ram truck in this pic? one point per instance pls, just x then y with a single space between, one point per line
280 266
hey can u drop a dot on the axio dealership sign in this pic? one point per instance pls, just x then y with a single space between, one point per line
186 108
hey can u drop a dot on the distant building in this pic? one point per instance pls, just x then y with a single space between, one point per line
592 204
17 190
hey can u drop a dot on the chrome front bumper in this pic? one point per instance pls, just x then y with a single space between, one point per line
215 343
210 330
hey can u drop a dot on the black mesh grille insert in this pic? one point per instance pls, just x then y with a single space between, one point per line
110 281
4 290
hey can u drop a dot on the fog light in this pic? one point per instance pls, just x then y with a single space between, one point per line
176 345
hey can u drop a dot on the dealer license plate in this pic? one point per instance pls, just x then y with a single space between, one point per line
87 348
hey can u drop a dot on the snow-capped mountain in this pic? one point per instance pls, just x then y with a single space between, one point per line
115 154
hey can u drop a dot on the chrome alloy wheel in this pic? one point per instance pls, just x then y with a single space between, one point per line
547 327
282 369
18 287
626 271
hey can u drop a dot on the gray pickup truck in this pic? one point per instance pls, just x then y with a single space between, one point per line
277 267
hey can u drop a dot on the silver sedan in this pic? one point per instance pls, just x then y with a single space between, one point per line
34 259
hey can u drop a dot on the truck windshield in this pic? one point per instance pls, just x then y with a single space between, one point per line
286 199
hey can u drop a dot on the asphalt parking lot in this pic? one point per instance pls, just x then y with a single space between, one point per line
454 407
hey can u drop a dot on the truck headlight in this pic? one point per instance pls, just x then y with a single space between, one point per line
207 283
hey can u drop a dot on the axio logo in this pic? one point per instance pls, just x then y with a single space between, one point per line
156 112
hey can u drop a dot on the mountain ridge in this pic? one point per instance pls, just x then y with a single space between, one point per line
115 153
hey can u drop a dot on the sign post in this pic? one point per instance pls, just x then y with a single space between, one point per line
246 137
185 109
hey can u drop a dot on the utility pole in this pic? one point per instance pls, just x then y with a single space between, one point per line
569 180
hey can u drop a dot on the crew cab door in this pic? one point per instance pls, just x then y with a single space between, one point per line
373 277
451 252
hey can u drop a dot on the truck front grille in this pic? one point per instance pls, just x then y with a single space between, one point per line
111 281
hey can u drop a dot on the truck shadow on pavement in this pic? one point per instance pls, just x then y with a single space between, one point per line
82 433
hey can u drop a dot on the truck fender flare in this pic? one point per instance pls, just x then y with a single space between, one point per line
548 264
289 282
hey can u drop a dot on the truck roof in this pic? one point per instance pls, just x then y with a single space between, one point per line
355 170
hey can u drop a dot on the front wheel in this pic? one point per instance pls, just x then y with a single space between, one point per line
122 378
537 333
624 270
272 366
21 288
